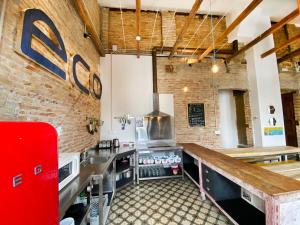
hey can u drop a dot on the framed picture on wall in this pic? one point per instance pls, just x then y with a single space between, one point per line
2 14
196 115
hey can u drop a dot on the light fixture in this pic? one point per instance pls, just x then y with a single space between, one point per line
214 67
185 89
138 38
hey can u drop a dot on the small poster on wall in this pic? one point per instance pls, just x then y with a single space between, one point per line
273 131
196 115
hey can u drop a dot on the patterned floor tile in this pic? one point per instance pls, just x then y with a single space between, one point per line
163 202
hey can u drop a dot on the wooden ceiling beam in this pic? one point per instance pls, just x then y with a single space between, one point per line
88 22
275 27
289 56
138 26
232 26
186 25
276 49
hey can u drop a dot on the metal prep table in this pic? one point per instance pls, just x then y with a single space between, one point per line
97 174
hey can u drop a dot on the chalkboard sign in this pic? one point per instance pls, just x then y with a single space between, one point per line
196 115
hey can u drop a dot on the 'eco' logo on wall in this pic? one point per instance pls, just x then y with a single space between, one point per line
56 47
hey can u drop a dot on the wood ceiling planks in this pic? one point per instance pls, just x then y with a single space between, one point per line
275 27
185 26
88 21
232 26
278 48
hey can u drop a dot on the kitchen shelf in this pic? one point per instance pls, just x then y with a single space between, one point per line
124 170
121 166
189 176
162 177
242 212
162 170
163 173
193 171
159 165
83 220
80 218
106 208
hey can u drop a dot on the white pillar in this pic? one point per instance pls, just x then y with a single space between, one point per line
228 127
263 77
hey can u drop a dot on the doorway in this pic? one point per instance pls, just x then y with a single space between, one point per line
240 117
289 119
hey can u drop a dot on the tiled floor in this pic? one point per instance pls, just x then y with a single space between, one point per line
172 202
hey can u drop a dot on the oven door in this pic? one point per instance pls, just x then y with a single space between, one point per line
65 174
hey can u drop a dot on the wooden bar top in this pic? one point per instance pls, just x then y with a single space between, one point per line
259 178
257 152
286 169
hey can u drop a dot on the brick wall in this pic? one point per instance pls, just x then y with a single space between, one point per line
166 30
197 78
203 87
115 36
198 33
282 36
297 113
30 93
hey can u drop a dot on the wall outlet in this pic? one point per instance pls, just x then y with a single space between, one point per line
217 132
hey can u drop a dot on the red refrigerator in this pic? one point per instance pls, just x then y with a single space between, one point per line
28 174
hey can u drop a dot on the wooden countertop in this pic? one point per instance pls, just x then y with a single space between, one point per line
286 169
259 178
257 152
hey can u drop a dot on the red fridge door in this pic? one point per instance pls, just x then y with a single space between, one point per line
28 174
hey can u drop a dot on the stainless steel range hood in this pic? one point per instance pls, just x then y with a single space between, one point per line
159 125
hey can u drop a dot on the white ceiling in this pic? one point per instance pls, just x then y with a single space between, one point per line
276 9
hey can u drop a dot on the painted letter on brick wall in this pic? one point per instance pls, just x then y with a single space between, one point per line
30 31
78 59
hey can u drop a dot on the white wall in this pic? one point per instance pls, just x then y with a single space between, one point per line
127 89
228 127
263 78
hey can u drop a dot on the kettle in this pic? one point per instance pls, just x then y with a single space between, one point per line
116 143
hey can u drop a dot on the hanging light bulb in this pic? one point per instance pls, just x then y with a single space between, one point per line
215 68
138 38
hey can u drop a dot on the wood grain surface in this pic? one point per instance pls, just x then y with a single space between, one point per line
256 152
266 181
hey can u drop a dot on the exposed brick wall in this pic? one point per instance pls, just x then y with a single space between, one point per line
249 130
104 13
297 113
282 36
129 19
203 87
168 28
30 93
201 38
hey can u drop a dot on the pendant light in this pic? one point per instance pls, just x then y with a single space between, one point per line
214 67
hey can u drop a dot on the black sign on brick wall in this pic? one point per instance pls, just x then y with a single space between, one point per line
196 115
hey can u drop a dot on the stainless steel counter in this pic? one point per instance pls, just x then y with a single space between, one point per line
88 171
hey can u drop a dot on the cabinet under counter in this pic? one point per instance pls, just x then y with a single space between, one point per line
247 194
